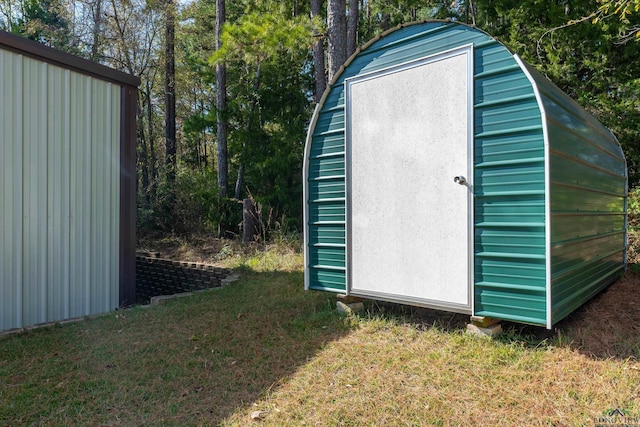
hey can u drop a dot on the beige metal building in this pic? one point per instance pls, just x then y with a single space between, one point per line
67 185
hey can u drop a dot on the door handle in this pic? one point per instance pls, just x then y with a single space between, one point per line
460 180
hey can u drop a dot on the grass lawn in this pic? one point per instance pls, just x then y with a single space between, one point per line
264 346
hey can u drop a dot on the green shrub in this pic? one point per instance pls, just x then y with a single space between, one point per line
190 205
633 208
633 226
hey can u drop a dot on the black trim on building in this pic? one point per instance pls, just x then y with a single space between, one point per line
48 54
127 273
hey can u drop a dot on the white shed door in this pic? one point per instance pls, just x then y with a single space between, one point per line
408 220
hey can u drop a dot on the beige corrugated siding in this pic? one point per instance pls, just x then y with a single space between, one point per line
59 199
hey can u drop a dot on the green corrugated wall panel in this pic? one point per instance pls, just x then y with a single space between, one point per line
509 188
329 166
325 279
572 226
499 269
527 306
329 235
514 240
571 256
330 123
510 148
583 178
500 274
327 188
587 202
565 198
571 121
328 257
330 145
496 87
514 178
571 289
327 212
571 145
568 281
506 213
326 196
507 116
509 193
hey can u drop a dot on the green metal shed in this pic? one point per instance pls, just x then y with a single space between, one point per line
443 171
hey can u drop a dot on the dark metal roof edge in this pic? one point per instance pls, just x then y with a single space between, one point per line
53 56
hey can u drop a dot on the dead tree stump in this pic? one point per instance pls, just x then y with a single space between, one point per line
250 223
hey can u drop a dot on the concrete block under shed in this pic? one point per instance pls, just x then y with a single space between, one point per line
489 331
349 309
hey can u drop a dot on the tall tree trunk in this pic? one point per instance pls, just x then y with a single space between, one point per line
97 30
144 151
199 139
221 107
318 53
385 22
337 35
366 7
471 10
152 144
352 28
203 135
239 182
252 111
170 93
250 223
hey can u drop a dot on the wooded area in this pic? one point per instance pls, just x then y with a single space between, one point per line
228 89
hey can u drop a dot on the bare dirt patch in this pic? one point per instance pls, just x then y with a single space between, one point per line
609 324
204 248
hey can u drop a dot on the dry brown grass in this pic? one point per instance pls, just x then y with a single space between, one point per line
608 326
398 370
393 374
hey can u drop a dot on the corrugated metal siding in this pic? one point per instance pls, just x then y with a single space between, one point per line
509 188
11 172
587 201
326 198
59 240
585 228
509 168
